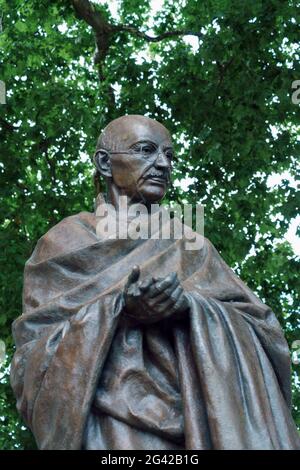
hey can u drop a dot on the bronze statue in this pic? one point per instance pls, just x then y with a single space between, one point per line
131 343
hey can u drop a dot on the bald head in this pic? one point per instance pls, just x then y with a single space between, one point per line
121 132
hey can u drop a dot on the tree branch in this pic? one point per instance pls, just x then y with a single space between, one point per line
86 11
103 37
104 31
160 37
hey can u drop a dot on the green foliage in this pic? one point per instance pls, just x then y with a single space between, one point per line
219 100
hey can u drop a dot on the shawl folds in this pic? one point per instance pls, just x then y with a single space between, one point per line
86 376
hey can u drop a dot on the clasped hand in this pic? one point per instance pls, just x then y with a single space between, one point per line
154 299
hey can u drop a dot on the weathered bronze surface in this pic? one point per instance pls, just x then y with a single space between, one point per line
140 343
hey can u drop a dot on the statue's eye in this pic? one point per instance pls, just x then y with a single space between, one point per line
169 154
147 149
144 149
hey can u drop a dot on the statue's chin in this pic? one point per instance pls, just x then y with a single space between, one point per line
153 191
150 192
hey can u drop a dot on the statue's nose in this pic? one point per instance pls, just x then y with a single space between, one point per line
162 161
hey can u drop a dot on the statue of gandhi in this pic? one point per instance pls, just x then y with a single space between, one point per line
133 343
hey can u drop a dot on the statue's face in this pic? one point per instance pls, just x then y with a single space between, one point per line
143 172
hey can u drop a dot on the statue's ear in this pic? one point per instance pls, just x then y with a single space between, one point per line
102 162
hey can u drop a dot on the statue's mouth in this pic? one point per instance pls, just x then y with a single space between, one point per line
157 177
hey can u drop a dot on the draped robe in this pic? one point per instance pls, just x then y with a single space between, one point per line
87 376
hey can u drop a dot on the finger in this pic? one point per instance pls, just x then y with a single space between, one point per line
172 299
165 307
157 279
175 302
168 293
182 303
133 276
144 286
159 287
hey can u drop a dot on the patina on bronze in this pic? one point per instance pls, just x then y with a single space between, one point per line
142 344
